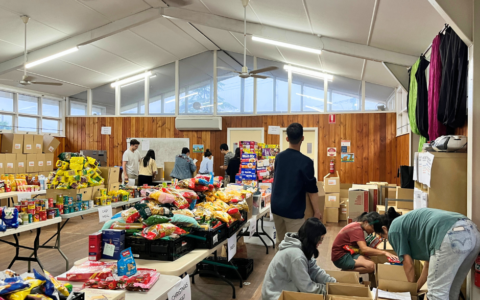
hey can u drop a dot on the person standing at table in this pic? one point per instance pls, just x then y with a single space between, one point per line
184 166
148 169
234 166
228 156
206 166
130 161
294 178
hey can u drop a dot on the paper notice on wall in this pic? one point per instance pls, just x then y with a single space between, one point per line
424 201
106 130
425 163
417 198
415 167
145 145
274 130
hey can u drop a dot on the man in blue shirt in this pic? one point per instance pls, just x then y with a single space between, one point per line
294 177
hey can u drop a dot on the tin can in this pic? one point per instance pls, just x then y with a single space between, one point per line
79 197
36 218
43 215
65 200
30 218
31 211
90 203
77 206
24 208
51 213
18 207
60 208
59 199
103 201
51 203
103 192
85 205
38 208
31 205
109 200
25 218
98 200
70 199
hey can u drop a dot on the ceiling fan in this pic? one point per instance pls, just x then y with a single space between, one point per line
245 73
28 80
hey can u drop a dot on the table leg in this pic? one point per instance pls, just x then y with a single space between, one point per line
257 234
17 248
35 249
263 231
57 244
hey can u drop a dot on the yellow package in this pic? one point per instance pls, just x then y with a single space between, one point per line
70 173
220 195
222 216
92 161
77 160
62 165
90 172
185 212
22 294
221 204
61 289
60 172
83 185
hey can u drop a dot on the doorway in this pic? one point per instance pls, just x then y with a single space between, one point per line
309 145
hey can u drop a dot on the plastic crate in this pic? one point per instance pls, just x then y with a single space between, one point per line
234 227
244 265
168 250
209 239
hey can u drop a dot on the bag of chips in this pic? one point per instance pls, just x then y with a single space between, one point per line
130 215
184 212
161 230
126 264
158 210
10 217
162 197
187 183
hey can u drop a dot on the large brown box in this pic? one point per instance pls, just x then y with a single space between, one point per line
50 144
321 202
405 194
168 170
49 162
41 162
332 200
344 276
331 183
28 144
38 143
12 143
110 174
114 186
96 191
86 193
2 164
331 215
343 209
357 203
286 295
32 163
10 163
346 289
21 165
159 175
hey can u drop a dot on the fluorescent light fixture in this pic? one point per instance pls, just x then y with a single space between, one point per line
286 45
141 80
131 79
308 72
189 95
51 57
314 108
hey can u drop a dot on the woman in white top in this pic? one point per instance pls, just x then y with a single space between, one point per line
148 169
206 167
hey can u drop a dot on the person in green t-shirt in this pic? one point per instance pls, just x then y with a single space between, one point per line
448 242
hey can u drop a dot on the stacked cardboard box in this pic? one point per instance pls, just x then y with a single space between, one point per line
27 153
358 202
112 177
332 198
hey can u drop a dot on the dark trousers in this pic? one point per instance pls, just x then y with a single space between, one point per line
143 179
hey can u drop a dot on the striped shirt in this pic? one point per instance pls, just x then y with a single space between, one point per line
227 159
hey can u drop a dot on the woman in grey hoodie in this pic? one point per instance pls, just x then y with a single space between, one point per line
294 267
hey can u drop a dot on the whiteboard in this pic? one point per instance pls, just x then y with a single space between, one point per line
166 149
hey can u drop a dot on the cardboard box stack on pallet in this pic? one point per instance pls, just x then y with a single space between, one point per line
29 154
331 185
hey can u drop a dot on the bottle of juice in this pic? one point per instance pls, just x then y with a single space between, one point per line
11 181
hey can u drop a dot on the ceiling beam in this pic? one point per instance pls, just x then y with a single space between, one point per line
400 73
83 38
459 15
290 36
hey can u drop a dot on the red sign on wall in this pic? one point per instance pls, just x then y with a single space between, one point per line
331 119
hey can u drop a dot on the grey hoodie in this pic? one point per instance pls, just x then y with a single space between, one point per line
290 270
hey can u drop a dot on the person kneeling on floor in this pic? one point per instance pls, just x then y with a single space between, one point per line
294 267
352 237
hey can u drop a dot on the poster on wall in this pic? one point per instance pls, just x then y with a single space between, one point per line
344 149
345 143
197 148
348 157
331 151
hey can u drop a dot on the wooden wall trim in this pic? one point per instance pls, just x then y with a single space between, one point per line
372 138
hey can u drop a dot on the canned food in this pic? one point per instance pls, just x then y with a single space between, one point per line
31 211
109 200
77 206
31 205
51 204
38 208
30 218
51 213
103 192
103 201
43 215
25 218
24 208
36 218
85 205
98 200
79 197
60 208
59 199
18 207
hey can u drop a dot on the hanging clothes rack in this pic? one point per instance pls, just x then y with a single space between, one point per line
430 46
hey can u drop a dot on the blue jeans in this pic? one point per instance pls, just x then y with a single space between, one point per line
449 266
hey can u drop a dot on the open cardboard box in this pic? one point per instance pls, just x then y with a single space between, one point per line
287 295
345 277
346 289
392 278
331 183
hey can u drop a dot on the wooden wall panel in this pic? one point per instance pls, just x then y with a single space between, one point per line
378 153
402 156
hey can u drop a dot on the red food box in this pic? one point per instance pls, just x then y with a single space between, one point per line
95 246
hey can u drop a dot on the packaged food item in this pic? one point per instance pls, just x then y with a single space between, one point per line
130 215
222 216
48 286
184 221
126 226
143 210
161 230
235 213
394 261
60 287
126 265
185 212
10 217
158 210
351 250
23 293
155 219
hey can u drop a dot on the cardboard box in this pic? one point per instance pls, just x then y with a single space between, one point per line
405 194
86 193
50 144
110 174
287 295
12 143
21 165
38 143
32 163
40 162
113 186
49 162
372 194
343 210
321 202
331 215
28 146
345 277
392 278
94 294
159 175
114 237
96 191
331 183
332 200
95 246
345 289
10 163
357 203
168 167
2 163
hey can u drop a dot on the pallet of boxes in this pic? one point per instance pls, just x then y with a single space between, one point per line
26 156
331 186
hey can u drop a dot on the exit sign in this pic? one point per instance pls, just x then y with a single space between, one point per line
331 119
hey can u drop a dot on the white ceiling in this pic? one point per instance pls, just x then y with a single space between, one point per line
406 26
